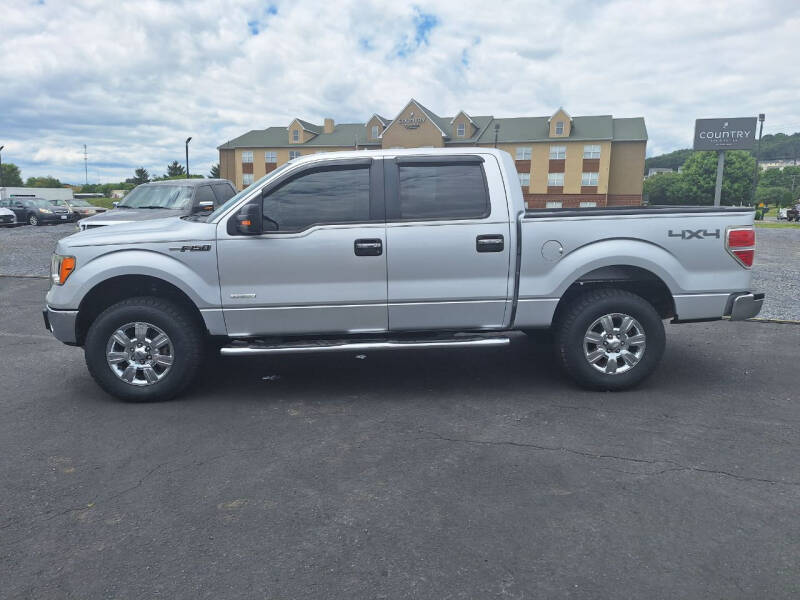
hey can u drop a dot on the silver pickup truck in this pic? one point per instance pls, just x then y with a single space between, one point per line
394 249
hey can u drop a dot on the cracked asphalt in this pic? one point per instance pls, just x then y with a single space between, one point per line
460 474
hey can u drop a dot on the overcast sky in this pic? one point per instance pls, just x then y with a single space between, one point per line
132 80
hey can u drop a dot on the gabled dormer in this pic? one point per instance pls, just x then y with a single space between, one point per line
462 127
415 126
375 127
560 124
301 131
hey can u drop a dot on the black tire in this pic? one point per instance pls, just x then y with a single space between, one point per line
574 323
34 220
185 335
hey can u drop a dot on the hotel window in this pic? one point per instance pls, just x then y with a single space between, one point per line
247 179
461 130
589 179
555 179
558 152
247 157
295 135
552 204
591 151
588 204
294 154
524 179
270 157
559 127
524 153
375 132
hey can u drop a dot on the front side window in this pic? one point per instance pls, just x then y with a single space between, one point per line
247 179
223 192
431 191
295 135
523 153
588 178
555 179
294 154
524 179
558 152
461 130
559 127
324 195
204 194
247 157
270 157
375 132
591 151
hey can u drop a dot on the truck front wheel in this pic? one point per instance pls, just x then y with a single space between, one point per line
144 349
609 339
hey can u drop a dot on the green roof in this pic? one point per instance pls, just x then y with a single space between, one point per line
512 130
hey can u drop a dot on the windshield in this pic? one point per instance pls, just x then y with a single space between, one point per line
58 202
80 203
159 196
239 196
38 203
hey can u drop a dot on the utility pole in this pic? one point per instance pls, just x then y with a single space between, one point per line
758 154
189 139
85 165
496 131
1 166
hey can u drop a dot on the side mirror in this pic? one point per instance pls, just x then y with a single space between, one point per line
248 219
205 206
115 204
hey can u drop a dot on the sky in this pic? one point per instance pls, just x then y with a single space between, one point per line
133 80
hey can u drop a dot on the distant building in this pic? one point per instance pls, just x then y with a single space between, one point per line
562 161
120 193
777 163
63 193
656 170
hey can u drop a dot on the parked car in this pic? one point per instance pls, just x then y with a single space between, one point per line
81 208
793 214
73 215
37 211
160 199
395 249
7 218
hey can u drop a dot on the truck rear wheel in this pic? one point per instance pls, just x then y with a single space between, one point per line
609 339
144 349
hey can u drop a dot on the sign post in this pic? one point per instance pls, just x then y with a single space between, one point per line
722 135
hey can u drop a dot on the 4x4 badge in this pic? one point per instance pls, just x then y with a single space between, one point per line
694 234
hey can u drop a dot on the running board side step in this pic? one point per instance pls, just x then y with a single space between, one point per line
254 349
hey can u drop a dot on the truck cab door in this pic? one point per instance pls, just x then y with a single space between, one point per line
319 267
449 245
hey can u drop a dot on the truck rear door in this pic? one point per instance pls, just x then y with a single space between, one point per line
448 258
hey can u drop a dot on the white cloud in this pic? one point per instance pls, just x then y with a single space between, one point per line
133 79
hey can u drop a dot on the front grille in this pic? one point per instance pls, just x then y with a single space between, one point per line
6 219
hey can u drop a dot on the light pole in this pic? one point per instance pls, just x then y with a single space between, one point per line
496 130
189 139
1 166
758 153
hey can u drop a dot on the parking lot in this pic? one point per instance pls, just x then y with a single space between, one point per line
436 474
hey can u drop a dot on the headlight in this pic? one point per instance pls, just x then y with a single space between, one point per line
45 210
61 267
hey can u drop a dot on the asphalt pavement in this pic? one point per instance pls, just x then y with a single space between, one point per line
426 474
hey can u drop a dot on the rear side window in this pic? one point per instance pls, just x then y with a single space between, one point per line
441 191
326 195
204 194
223 192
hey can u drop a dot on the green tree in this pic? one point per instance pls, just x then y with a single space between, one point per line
665 188
175 169
700 173
214 174
779 196
672 160
11 175
43 182
140 176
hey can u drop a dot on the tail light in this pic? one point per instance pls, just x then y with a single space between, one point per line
741 244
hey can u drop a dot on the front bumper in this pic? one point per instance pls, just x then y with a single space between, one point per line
61 323
746 306
56 218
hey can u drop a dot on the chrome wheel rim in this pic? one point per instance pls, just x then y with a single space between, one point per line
140 353
614 343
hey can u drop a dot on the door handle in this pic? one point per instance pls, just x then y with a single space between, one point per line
490 243
368 247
